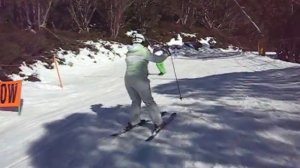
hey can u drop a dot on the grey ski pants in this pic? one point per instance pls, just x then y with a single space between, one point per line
139 90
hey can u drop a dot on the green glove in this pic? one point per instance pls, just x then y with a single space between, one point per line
161 68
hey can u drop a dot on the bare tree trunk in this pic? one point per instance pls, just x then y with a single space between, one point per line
28 20
45 18
38 15
117 9
31 14
82 12
75 17
293 3
217 16
250 19
185 10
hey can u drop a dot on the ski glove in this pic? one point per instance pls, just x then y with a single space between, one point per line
161 68
166 50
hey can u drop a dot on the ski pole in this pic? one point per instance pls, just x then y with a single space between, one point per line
177 82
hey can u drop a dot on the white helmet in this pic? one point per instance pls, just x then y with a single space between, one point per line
137 38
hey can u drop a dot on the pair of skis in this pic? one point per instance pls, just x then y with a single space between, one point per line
144 122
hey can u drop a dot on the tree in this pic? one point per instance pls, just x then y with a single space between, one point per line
30 14
82 12
115 10
143 14
187 11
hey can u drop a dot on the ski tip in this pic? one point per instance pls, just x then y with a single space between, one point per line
149 139
174 114
163 113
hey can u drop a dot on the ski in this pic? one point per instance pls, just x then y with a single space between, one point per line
141 123
166 122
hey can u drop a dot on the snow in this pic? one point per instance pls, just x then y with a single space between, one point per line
238 110
194 35
175 41
131 33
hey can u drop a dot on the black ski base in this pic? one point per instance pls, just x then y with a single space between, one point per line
165 123
141 123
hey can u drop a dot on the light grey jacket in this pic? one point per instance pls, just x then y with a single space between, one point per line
137 59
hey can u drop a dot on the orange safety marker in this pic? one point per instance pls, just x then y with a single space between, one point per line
56 67
10 94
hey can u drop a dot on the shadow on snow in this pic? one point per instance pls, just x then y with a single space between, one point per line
218 135
205 54
83 140
281 84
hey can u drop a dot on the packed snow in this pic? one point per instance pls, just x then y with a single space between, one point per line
238 110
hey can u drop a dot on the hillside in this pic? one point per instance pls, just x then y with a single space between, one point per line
238 110
33 30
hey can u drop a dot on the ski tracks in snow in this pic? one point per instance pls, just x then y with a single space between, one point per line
227 117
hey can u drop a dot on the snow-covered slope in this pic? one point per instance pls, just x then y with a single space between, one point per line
238 110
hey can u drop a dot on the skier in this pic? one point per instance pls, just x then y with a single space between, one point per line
137 82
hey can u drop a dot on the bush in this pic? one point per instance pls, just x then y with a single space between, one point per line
9 52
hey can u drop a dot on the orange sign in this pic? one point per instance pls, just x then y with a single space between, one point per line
10 93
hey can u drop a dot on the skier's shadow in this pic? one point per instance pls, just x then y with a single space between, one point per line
83 140
121 119
228 136
73 141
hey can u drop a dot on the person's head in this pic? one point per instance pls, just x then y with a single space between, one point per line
138 38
